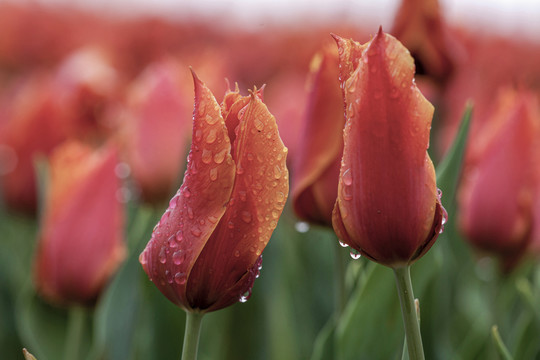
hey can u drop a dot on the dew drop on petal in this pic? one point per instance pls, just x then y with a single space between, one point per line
211 119
343 244
246 216
206 156
196 231
180 278
162 257
236 253
354 254
211 137
214 174
178 257
347 177
220 156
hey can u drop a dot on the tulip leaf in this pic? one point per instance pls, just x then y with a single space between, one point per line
449 170
501 347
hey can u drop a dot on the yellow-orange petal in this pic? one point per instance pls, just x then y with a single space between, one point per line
257 200
200 203
387 196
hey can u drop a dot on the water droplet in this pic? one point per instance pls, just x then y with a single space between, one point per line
143 258
178 257
211 119
179 236
347 177
343 244
259 124
180 278
245 297
280 197
243 195
190 212
236 253
246 216
212 219
355 254
206 156
277 172
173 202
230 225
275 214
220 156
186 192
196 231
302 227
198 134
169 276
162 255
214 174
172 242
239 169
211 137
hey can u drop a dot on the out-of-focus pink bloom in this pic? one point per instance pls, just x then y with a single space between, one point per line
420 27
81 238
205 252
498 193
156 130
316 167
388 206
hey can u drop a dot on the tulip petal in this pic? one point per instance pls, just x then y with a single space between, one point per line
259 195
387 196
197 208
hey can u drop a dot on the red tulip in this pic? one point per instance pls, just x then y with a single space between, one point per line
81 239
498 193
205 252
316 168
387 207
157 130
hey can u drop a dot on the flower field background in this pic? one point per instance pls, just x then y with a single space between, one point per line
96 120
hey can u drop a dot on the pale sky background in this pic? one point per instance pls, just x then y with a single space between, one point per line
507 16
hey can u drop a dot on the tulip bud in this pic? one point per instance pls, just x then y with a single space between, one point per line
497 195
81 238
388 206
205 252
316 168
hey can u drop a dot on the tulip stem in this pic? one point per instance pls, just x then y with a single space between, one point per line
75 329
408 310
191 335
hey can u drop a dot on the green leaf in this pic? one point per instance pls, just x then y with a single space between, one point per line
501 347
449 170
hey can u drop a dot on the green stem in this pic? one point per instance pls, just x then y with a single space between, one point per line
191 335
339 280
408 310
75 329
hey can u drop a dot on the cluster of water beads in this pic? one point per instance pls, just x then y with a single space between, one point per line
355 254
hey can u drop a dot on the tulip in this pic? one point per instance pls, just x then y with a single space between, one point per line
156 132
421 28
81 238
205 252
387 206
497 196
316 168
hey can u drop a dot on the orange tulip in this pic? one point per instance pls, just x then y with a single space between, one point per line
81 239
497 195
388 206
316 168
205 252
